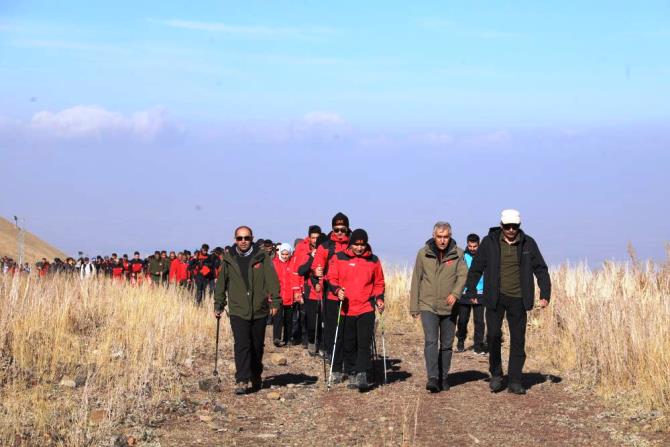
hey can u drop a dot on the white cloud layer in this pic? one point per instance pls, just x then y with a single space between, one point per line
323 118
95 121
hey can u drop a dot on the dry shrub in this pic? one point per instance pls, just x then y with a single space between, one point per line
123 345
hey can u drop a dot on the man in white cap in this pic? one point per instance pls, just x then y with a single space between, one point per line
509 258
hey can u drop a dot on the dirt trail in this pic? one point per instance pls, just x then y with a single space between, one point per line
401 413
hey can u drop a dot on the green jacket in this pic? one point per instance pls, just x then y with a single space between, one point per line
231 289
434 281
156 266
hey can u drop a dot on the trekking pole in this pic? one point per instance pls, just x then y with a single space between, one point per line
216 352
337 328
381 324
374 352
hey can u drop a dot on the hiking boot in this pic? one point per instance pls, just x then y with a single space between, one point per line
336 378
295 342
312 350
496 384
277 342
305 344
362 379
432 385
479 350
241 388
445 384
353 382
516 388
460 346
256 383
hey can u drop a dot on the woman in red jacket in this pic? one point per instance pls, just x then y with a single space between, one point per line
355 275
288 281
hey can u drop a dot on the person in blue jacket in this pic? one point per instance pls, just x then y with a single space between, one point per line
472 305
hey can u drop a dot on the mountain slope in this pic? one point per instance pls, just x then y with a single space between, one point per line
35 248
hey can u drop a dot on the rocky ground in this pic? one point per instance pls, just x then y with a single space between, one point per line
294 408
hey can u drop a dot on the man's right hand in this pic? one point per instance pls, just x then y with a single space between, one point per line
217 314
340 294
415 316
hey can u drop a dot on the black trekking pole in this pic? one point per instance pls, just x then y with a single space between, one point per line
216 353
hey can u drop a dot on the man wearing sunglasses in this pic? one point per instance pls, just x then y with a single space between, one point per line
336 241
246 279
508 258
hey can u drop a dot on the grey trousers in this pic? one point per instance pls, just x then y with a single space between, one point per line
442 328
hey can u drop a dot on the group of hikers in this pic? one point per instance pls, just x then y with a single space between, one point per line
325 291
338 281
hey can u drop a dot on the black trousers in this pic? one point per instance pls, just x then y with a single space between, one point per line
330 323
283 322
515 312
202 283
464 311
312 314
249 341
299 331
352 353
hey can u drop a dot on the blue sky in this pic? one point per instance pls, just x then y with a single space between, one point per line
133 125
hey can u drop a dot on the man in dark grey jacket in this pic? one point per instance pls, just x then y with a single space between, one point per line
509 259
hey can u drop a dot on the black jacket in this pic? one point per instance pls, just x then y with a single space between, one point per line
487 262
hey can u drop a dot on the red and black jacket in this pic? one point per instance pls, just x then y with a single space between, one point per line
324 255
362 279
117 270
136 266
203 265
303 270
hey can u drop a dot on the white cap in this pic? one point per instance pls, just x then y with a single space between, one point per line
510 217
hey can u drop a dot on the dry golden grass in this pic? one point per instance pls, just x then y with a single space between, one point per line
127 343
609 328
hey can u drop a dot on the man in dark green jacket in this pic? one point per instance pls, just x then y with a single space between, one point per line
248 284
508 258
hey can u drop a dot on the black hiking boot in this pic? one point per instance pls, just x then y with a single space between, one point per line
496 384
256 383
241 388
460 346
445 384
432 385
277 342
516 388
362 379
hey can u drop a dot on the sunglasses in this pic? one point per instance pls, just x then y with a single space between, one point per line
243 238
511 226
339 230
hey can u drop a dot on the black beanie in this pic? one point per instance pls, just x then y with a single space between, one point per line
313 229
357 236
340 219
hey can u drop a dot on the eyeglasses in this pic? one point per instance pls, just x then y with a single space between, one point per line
340 230
511 226
243 238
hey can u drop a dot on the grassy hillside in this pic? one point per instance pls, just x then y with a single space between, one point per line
35 248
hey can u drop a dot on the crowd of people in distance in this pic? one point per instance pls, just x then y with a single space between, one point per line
324 292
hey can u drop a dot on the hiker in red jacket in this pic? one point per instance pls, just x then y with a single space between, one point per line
178 270
356 277
337 241
117 269
136 267
289 289
311 287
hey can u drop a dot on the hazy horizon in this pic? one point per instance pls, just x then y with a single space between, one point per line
142 126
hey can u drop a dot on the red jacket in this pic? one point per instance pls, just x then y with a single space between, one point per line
178 271
303 271
362 279
288 280
325 253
